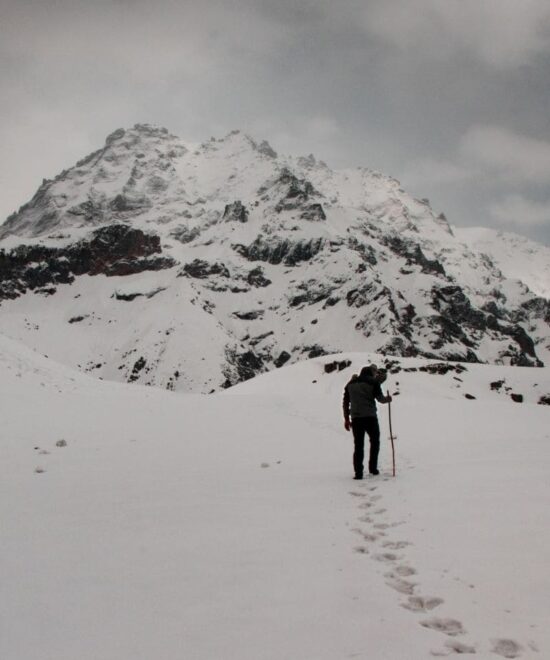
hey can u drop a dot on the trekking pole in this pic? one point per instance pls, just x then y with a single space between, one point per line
391 439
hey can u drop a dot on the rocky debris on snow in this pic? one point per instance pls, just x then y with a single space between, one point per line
235 212
61 443
336 365
282 359
442 368
544 400
139 366
518 398
249 316
469 396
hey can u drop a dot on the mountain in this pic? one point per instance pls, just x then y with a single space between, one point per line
196 267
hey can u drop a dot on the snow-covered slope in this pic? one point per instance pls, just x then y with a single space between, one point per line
516 256
193 268
141 524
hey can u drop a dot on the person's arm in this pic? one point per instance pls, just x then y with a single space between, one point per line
379 396
345 407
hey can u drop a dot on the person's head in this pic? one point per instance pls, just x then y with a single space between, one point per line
369 372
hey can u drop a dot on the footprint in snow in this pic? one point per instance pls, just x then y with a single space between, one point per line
507 648
449 627
422 603
454 646
386 557
361 550
401 586
404 571
367 536
395 545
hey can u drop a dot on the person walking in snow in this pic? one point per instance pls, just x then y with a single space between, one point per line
359 406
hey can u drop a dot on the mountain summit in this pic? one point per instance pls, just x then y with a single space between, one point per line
195 267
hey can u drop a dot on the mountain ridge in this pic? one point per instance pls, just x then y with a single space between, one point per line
196 267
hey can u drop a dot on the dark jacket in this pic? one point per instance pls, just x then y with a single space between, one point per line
361 394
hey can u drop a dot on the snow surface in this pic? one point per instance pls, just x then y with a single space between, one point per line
228 526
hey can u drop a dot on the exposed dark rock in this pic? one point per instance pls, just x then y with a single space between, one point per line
314 212
336 365
77 319
298 191
130 203
496 385
111 250
185 235
266 149
313 292
538 308
544 400
92 211
249 316
200 269
442 368
241 366
257 278
518 398
277 250
453 304
235 212
362 296
282 359
127 297
366 251
470 396
413 254
314 351
139 365
254 341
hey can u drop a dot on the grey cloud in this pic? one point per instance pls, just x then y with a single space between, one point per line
500 33
407 87
516 158
520 213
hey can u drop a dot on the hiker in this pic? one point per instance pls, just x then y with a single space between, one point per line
360 396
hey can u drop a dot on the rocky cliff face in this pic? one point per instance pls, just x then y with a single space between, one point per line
196 267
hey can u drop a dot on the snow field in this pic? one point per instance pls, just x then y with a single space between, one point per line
180 526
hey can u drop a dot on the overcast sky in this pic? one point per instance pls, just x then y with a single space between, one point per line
451 97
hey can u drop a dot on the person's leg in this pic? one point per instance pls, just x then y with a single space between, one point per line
372 428
359 445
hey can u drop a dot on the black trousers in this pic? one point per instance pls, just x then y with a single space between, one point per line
359 426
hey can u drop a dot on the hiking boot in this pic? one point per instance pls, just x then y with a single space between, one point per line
358 476
375 471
